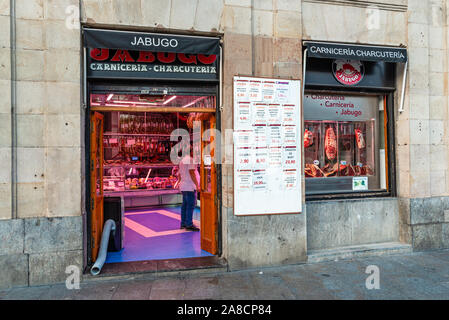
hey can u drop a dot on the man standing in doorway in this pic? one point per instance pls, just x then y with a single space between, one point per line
189 185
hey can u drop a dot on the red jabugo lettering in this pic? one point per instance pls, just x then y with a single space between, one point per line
166 57
187 59
122 55
207 59
146 56
99 54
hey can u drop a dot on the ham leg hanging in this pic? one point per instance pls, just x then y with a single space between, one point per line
330 144
359 138
308 138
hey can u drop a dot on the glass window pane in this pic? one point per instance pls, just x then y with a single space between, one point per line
344 143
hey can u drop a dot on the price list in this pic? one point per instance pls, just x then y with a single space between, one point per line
267 157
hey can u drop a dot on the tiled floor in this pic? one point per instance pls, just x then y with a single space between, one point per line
154 234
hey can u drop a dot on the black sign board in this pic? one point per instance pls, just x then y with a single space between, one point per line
154 42
377 76
355 52
125 64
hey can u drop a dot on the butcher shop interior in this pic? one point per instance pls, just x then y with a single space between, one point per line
141 140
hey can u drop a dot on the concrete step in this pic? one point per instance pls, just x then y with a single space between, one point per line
360 251
159 268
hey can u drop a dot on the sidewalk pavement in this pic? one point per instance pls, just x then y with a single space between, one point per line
421 275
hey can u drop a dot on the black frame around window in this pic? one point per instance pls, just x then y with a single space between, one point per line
391 192
379 79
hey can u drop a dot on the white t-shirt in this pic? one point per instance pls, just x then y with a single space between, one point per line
186 183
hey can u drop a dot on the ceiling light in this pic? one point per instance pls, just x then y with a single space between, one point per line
171 99
193 102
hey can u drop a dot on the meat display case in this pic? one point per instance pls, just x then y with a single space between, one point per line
137 162
341 141
136 141
338 149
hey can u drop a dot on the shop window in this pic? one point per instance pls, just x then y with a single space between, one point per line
345 144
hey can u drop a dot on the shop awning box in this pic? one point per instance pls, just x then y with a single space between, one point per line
355 52
327 50
154 42
113 54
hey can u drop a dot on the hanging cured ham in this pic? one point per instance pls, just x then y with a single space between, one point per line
330 144
359 138
308 138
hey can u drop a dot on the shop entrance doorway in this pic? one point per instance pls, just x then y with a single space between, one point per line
133 159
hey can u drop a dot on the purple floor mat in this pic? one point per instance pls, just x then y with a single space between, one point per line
139 248
155 221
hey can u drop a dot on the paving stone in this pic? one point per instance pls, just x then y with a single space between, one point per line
96 291
3 293
168 289
26 293
426 266
169 283
167 294
306 286
354 277
236 286
58 292
441 255
413 287
202 288
271 286
133 290
211 293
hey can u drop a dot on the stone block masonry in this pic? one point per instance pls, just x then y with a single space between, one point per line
428 223
37 251
333 224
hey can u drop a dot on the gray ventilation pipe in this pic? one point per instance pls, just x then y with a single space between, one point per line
109 226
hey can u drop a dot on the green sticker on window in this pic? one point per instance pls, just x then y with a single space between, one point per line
360 183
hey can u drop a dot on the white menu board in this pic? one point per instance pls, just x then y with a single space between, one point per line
267 146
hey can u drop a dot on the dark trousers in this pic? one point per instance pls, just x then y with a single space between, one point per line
188 204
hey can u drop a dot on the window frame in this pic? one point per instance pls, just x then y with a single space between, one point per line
390 147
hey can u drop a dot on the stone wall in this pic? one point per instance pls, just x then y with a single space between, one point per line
355 22
45 234
270 46
37 251
333 224
48 110
5 112
422 129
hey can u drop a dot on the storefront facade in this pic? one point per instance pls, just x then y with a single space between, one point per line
49 75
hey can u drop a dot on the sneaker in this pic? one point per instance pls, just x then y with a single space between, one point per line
192 228
182 227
